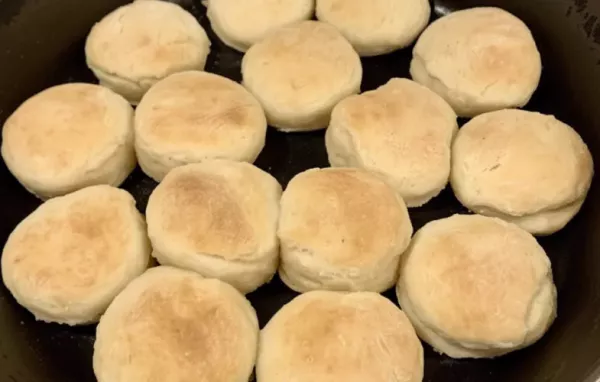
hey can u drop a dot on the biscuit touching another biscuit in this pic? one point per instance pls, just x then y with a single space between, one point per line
402 131
193 116
477 287
69 137
67 260
140 43
341 229
175 325
377 26
479 60
241 24
218 218
333 336
300 73
524 167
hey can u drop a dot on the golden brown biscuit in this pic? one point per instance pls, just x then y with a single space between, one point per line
524 167
300 72
331 336
140 43
193 116
242 24
402 131
341 229
67 260
218 218
172 325
479 60
69 137
377 26
477 287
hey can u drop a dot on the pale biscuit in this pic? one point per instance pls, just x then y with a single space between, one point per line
194 116
331 336
402 131
241 24
218 218
140 43
479 60
524 167
341 229
300 72
477 287
172 325
67 260
69 137
377 26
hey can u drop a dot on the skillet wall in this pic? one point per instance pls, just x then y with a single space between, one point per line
39 39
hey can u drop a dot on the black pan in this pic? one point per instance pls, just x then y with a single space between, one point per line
41 44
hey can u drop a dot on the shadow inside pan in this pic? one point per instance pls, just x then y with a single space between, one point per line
41 44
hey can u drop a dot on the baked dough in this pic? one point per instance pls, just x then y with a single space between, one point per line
218 218
524 167
479 60
341 229
67 260
377 26
69 137
241 24
172 325
331 336
402 131
140 43
193 116
300 73
477 287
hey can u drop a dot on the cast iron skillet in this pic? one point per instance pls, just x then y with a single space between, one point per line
41 44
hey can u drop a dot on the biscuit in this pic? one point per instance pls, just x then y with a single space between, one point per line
479 60
241 24
140 43
193 116
218 218
378 26
332 336
524 167
341 229
69 137
402 131
67 260
476 287
173 325
300 72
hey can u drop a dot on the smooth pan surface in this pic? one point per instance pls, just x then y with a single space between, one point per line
41 44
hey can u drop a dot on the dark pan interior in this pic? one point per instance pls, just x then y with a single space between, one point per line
41 44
